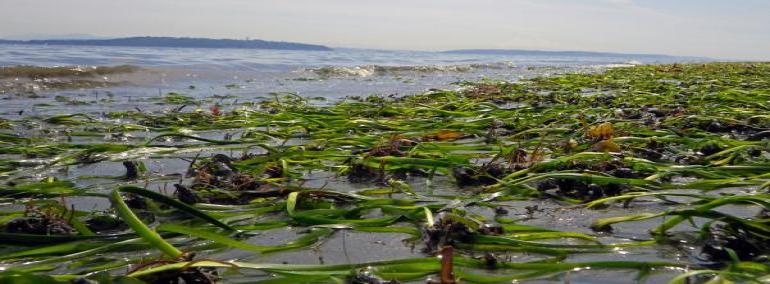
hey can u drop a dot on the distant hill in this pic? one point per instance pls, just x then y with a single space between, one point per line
551 53
175 42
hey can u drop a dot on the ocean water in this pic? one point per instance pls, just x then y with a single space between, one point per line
283 60
233 75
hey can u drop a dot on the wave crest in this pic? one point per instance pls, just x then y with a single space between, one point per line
382 70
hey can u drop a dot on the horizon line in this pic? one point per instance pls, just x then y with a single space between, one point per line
87 37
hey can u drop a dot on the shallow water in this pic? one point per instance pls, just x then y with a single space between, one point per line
281 60
229 76
257 73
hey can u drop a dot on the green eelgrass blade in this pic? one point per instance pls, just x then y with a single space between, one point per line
291 203
176 204
305 240
140 228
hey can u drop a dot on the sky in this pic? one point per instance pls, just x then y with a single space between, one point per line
727 29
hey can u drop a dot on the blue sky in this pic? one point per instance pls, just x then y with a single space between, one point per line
738 29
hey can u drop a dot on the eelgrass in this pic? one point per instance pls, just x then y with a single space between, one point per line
692 138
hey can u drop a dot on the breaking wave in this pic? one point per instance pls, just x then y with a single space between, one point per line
631 63
382 70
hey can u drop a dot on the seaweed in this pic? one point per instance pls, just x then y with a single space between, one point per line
503 165
48 218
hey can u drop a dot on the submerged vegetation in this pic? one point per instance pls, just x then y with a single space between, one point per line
35 72
34 78
491 183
